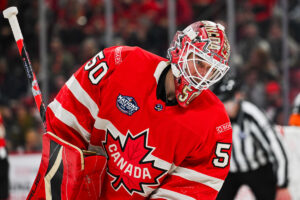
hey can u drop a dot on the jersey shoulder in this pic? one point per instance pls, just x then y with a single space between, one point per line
211 105
117 55
207 116
215 109
222 125
134 65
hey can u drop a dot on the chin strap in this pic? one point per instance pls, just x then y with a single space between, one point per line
176 72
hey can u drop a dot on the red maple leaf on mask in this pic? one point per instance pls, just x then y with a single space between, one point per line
128 163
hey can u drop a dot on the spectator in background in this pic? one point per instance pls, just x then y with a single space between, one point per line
257 72
249 39
3 80
4 183
31 33
15 76
254 86
57 83
18 120
33 141
263 11
258 157
294 19
88 49
274 102
69 26
295 116
275 41
60 60
95 22
208 9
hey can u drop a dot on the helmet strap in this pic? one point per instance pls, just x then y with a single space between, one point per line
176 72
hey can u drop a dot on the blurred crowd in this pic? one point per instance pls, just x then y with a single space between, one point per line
76 32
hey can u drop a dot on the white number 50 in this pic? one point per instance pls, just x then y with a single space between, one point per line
222 159
96 72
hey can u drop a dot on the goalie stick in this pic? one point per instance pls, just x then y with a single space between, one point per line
83 165
11 14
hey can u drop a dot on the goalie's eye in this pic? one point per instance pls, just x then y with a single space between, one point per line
201 65
198 62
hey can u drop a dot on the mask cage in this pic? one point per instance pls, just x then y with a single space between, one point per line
200 81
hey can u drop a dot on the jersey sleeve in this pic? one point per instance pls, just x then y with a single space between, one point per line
72 114
202 174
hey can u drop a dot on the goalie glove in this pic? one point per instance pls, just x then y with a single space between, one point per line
65 173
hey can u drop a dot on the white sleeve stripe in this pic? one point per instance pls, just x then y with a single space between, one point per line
249 147
104 124
192 175
168 194
159 162
69 119
159 69
238 149
253 111
279 154
82 96
270 137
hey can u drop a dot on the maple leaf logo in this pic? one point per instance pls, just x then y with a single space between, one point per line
128 164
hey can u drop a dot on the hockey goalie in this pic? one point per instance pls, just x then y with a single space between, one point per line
132 125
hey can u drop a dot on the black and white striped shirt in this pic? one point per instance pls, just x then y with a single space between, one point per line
256 143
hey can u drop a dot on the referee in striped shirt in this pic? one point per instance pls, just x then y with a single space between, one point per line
258 157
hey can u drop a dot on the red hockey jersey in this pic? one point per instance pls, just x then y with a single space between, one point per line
154 151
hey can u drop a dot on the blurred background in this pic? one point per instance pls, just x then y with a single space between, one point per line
60 35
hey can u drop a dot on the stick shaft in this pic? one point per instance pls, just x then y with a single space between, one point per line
10 14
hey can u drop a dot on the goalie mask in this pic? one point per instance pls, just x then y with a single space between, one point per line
199 58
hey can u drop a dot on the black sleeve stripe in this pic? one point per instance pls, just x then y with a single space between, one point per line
234 159
243 147
285 160
265 151
263 131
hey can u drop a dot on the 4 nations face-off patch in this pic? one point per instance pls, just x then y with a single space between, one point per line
126 104
129 164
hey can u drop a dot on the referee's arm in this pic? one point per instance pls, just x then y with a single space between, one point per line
279 154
